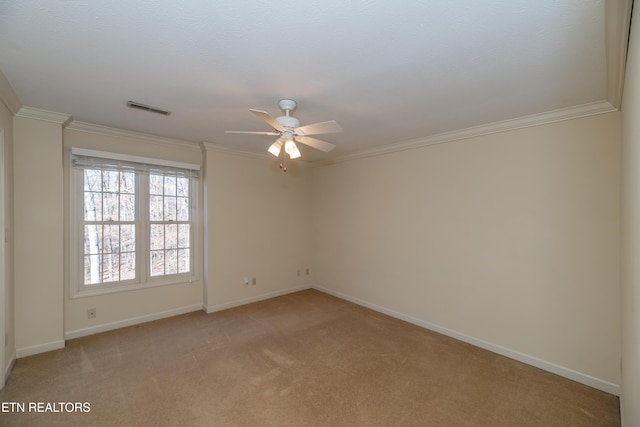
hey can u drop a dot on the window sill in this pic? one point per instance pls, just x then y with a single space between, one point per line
104 290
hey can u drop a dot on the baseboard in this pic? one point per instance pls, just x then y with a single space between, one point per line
9 367
175 312
237 303
40 348
131 321
571 374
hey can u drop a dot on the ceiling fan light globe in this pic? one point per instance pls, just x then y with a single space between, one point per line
295 154
291 149
275 148
289 145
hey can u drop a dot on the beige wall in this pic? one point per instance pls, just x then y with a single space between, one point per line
510 241
631 235
38 219
8 327
259 225
125 308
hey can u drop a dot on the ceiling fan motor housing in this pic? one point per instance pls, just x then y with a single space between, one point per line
288 122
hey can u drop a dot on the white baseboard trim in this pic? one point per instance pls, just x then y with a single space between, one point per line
237 303
571 374
40 348
130 322
9 367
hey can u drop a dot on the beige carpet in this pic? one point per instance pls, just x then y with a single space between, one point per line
305 359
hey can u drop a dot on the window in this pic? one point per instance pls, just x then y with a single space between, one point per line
170 220
133 224
109 225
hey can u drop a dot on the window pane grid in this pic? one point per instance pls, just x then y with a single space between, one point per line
170 230
109 195
170 248
109 253
118 216
109 226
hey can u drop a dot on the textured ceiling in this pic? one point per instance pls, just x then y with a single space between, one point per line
388 72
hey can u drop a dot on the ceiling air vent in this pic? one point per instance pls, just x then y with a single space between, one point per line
132 104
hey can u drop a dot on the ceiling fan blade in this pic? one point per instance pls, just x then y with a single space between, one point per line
316 143
252 133
269 119
317 128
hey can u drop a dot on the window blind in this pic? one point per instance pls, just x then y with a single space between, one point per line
91 159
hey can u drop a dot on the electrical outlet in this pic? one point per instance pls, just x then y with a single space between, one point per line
91 313
253 281
298 273
245 280
307 271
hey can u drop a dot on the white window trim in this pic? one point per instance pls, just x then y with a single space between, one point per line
77 289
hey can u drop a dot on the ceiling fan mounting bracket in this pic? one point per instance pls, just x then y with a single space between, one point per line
287 105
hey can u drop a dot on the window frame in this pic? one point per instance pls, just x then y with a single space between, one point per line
143 222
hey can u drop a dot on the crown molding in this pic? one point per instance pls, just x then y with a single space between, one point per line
559 115
130 135
8 96
44 115
225 149
617 27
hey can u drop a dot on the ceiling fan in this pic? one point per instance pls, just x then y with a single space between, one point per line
289 131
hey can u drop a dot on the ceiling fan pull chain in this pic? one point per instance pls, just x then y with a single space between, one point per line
282 163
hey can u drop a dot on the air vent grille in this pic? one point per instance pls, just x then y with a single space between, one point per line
139 106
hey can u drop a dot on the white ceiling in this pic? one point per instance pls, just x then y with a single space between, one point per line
388 72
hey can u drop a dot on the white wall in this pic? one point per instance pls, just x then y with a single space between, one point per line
259 225
630 397
126 308
8 316
509 240
38 228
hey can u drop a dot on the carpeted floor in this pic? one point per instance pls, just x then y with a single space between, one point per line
304 359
